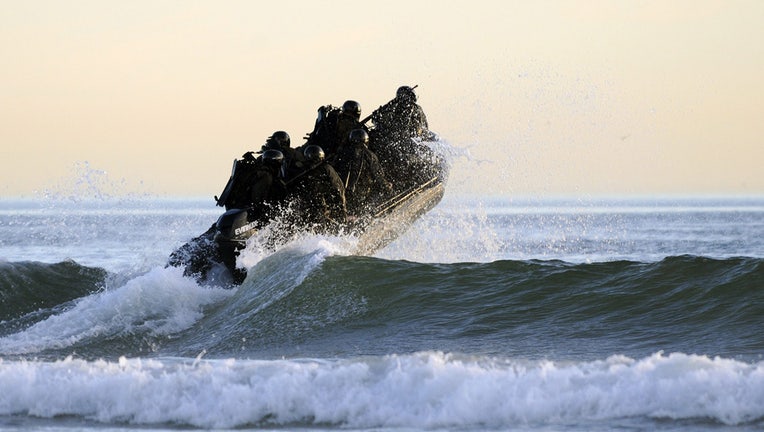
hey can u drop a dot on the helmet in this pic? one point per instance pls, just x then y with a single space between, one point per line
358 136
272 158
352 108
406 93
313 153
278 140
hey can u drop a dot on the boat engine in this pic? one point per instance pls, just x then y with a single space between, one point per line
234 227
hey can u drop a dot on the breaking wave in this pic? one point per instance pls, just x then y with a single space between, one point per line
420 390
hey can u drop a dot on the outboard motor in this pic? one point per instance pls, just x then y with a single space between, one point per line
234 227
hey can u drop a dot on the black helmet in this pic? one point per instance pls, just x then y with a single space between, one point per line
313 153
358 136
352 108
273 158
278 140
406 93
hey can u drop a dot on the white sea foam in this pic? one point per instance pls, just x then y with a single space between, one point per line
421 391
159 302
318 247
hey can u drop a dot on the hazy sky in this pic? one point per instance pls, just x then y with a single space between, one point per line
537 97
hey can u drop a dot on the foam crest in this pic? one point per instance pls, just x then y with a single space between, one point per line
424 390
159 302
318 246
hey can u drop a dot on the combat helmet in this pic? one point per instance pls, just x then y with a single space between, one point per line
406 93
272 158
279 140
358 136
351 108
313 154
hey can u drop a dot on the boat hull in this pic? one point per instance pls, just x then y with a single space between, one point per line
383 230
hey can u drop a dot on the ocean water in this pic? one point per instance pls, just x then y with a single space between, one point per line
489 314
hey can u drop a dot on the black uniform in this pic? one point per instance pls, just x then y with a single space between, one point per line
332 129
319 197
400 126
363 177
401 118
266 192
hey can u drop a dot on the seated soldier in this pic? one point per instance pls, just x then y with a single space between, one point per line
358 167
317 193
348 120
333 126
236 193
267 188
281 141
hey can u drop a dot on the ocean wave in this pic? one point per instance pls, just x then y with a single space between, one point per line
420 390
159 303
30 286
310 300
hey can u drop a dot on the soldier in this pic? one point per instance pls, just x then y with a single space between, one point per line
333 126
235 194
267 188
400 126
348 120
362 175
318 193
402 117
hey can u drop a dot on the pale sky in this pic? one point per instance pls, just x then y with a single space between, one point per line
536 97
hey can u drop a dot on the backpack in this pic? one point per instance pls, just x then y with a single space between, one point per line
236 192
324 130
